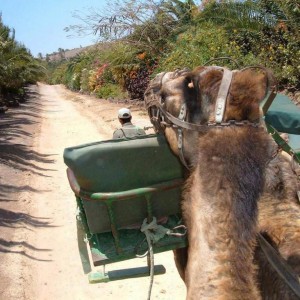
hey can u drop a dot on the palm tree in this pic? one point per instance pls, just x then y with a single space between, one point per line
269 29
252 14
181 11
17 65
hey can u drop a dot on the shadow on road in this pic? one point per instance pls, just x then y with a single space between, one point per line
6 247
6 189
13 219
18 127
17 220
20 157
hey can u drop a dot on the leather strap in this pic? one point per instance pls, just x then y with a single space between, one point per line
182 115
280 265
282 143
180 123
269 101
222 95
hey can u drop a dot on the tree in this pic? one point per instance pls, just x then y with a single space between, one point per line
61 53
144 24
269 29
17 66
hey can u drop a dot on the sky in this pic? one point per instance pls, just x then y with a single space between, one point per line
39 24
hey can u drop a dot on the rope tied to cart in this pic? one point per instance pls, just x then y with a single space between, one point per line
154 232
157 232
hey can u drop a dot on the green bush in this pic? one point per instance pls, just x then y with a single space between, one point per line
58 75
75 82
109 90
266 31
84 81
200 44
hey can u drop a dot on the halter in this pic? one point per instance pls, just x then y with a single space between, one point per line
162 119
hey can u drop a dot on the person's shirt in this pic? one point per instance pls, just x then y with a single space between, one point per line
128 130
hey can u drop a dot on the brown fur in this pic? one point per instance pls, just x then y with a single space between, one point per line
220 205
221 194
279 221
220 198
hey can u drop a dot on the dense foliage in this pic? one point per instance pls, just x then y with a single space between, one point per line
266 29
146 37
17 66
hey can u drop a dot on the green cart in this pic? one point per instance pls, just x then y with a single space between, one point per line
120 185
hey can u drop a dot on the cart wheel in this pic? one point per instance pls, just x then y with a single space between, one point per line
82 247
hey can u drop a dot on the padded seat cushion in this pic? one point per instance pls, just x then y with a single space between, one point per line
120 165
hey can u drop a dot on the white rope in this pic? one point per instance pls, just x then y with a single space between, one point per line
154 233
150 251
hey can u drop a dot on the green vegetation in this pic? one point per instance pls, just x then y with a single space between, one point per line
17 67
142 38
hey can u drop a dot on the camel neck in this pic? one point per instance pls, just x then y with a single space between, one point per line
220 208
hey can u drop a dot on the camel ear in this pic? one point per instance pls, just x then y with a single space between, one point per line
261 83
250 86
265 81
248 89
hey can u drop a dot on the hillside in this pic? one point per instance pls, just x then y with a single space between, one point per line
67 54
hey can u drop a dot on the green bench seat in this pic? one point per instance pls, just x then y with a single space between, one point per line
121 178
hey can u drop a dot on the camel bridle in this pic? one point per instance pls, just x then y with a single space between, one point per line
161 118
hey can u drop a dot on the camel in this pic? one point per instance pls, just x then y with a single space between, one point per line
231 172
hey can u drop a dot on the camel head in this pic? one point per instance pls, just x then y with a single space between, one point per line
190 103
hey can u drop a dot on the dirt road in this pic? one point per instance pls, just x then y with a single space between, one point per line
38 248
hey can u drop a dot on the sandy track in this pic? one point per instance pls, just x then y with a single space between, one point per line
38 248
